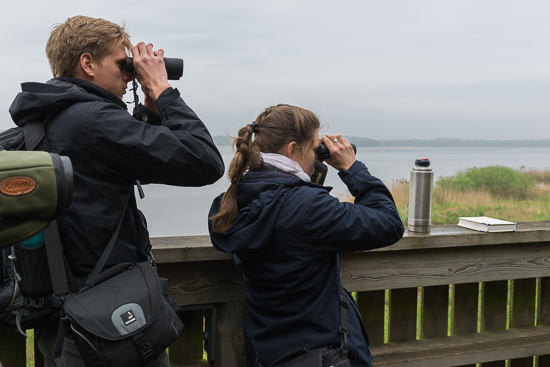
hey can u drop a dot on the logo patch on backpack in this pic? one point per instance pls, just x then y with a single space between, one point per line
128 317
17 185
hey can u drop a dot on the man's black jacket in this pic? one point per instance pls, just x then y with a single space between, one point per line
109 150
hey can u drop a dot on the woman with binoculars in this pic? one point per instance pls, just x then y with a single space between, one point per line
286 234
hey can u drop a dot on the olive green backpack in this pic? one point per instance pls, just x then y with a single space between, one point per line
35 188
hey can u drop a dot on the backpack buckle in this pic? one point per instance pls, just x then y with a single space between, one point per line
33 302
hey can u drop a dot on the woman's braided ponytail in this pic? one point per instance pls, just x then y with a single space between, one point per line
275 127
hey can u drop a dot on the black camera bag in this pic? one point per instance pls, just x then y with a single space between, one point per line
122 317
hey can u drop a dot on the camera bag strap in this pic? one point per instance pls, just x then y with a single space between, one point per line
58 273
107 252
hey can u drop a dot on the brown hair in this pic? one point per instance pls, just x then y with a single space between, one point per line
274 128
79 35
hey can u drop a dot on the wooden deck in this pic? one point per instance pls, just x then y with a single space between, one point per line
454 297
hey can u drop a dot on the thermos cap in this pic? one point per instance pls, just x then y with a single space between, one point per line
424 162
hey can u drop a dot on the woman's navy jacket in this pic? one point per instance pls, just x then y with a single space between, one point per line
285 240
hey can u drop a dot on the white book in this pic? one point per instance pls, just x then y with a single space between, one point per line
487 224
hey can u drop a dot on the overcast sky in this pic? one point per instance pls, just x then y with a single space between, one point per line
386 69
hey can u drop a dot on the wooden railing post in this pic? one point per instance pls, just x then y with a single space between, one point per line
230 345
372 306
522 313
543 317
403 305
465 310
494 298
434 311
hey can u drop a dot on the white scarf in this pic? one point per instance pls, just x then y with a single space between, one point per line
285 164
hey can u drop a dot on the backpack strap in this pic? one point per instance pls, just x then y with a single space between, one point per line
54 252
35 136
58 274
35 133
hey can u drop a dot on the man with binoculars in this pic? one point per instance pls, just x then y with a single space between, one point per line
87 121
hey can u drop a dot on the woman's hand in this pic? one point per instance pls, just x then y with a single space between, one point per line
342 155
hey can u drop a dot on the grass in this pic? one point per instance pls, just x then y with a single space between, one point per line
30 348
529 203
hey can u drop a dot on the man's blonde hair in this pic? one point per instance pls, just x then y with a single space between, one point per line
79 35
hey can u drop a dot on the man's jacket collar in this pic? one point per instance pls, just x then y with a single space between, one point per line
84 86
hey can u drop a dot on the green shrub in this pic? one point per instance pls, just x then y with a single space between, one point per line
498 180
458 183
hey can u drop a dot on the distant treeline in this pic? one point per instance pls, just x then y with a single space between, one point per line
222 140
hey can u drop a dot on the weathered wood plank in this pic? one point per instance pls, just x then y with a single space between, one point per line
543 313
493 305
230 345
544 310
199 248
12 347
403 304
372 306
203 282
522 312
494 297
458 350
455 265
435 311
523 303
465 310
186 249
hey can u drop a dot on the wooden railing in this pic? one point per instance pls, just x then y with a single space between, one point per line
454 297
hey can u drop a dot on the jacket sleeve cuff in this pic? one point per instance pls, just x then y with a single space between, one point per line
152 118
355 167
168 96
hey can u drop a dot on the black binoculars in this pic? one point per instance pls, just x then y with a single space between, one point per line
174 67
322 151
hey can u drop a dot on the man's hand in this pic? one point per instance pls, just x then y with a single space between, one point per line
151 73
342 155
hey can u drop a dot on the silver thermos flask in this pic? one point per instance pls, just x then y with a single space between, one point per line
420 196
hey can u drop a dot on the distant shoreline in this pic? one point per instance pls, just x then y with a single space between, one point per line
222 140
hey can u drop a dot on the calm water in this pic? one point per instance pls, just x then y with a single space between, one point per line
177 211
